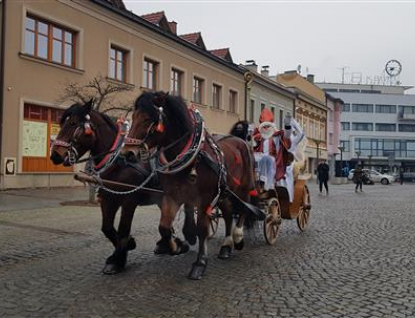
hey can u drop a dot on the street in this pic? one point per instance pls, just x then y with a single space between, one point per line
356 259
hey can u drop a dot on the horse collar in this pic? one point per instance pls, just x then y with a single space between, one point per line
188 154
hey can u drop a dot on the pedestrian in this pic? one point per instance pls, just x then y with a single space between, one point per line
323 176
358 178
401 176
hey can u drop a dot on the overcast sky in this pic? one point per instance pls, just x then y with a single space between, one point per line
321 36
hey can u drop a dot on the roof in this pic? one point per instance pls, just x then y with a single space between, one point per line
117 3
170 35
223 53
154 17
195 38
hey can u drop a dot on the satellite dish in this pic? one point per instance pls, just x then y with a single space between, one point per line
393 68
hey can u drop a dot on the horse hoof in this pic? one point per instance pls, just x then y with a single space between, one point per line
191 239
161 249
131 245
225 252
197 271
112 269
182 247
239 246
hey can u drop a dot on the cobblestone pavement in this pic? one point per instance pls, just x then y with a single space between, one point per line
356 259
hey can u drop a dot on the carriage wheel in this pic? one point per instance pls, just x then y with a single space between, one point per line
272 222
214 224
304 213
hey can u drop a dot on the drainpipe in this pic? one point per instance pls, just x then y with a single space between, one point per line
248 80
2 65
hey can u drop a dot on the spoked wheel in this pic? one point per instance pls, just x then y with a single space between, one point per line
214 224
304 213
272 222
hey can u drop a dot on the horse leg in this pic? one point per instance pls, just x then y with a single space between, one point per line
189 226
168 242
116 262
203 223
238 233
108 210
227 246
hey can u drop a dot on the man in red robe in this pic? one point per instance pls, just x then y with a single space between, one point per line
271 149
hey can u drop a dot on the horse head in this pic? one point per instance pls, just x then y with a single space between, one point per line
157 120
76 136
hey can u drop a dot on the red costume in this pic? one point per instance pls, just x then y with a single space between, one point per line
278 143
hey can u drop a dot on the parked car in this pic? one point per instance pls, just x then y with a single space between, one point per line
375 176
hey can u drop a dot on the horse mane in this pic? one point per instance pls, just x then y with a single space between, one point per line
81 111
176 114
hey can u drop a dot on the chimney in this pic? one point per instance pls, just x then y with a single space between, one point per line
310 78
251 65
265 71
173 27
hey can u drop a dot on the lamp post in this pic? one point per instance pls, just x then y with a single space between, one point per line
341 148
317 141
370 162
358 155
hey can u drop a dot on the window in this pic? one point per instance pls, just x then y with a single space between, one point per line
281 118
362 108
346 90
262 106
197 90
406 127
345 144
346 107
345 125
176 82
407 109
273 111
216 96
150 69
50 42
362 126
252 111
386 109
40 128
233 100
385 127
118 64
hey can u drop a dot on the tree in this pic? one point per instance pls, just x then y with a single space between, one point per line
106 94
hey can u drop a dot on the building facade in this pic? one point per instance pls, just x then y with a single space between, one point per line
52 43
311 113
334 110
263 92
378 125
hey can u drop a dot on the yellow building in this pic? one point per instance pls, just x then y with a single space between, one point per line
49 43
311 113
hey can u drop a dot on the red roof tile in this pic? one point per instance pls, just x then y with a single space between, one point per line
191 37
222 53
153 17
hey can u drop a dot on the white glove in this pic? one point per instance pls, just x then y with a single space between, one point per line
287 119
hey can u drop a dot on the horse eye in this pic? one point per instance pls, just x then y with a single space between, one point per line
72 124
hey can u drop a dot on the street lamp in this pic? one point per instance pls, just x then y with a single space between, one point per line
358 155
341 148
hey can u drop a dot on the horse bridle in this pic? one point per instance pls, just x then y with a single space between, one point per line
85 127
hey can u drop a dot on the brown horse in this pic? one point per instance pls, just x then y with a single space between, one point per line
83 130
195 169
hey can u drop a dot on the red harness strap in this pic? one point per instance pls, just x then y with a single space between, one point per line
114 145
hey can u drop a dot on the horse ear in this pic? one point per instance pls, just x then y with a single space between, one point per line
89 105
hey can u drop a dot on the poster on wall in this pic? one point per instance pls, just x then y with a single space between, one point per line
9 166
35 136
54 131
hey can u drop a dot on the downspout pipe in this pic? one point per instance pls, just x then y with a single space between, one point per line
2 66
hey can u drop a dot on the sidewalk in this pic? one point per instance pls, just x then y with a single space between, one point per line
28 199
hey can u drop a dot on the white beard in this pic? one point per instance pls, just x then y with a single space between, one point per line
267 129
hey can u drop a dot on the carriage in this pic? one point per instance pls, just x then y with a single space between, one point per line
276 205
192 169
